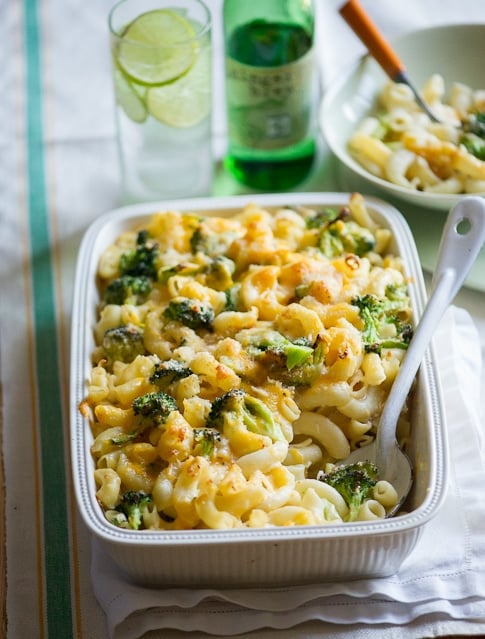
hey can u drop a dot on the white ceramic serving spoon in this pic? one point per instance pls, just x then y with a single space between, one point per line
462 238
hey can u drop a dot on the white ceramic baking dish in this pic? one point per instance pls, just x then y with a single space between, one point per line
288 555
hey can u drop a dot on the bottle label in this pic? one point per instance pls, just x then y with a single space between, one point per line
269 107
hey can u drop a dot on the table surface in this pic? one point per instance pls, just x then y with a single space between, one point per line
58 172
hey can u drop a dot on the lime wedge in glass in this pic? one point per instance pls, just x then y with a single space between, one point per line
157 47
187 101
129 97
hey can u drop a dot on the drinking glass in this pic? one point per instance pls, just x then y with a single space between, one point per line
162 73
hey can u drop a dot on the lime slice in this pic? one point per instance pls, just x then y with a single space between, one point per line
129 97
157 47
187 101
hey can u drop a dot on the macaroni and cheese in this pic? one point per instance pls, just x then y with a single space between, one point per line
401 145
238 360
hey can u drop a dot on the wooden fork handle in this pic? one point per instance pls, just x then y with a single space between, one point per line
363 26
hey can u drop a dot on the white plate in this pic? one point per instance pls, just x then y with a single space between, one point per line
454 51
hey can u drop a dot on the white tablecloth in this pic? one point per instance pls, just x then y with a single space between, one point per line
58 172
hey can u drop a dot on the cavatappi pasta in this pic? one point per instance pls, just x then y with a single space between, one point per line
401 144
237 360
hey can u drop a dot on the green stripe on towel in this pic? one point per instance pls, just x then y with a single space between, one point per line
53 491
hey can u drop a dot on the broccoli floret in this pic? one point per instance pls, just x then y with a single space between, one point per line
294 363
168 372
322 218
228 402
385 129
123 343
302 290
346 237
238 405
201 241
475 124
293 353
397 297
370 311
338 234
124 438
232 297
190 312
205 240
206 438
358 239
299 376
186 270
297 352
330 243
303 375
128 289
474 145
473 137
377 313
132 504
306 373
141 260
219 273
354 482
153 409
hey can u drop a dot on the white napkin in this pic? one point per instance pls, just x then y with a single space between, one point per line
440 588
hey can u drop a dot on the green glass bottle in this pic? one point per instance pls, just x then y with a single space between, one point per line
271 90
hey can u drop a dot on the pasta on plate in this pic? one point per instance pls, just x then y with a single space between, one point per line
237 360
401 145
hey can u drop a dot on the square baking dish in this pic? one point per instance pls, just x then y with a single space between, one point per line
268 556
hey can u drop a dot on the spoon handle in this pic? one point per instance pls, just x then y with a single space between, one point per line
380 49
363 26
462 238
466 223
